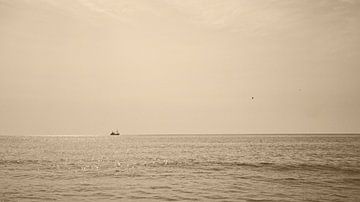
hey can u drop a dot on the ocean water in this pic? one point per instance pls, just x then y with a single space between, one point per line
180 168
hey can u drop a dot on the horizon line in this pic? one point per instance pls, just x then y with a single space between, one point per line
188 134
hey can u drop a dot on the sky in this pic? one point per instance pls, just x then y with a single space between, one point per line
87 67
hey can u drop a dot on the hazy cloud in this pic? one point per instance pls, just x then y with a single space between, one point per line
179 66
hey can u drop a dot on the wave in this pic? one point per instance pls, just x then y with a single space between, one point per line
221 165
192 164
23 162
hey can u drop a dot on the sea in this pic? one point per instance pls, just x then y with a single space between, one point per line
180 168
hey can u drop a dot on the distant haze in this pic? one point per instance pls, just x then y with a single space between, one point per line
179 66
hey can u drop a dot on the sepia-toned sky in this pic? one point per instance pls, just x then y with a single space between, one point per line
179 66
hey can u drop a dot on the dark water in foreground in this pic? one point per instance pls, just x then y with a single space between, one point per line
175 168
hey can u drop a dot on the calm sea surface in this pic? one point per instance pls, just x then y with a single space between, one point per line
180 168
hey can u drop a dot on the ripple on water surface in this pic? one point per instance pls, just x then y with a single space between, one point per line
175 168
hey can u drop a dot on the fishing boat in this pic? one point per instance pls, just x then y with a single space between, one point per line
115 133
